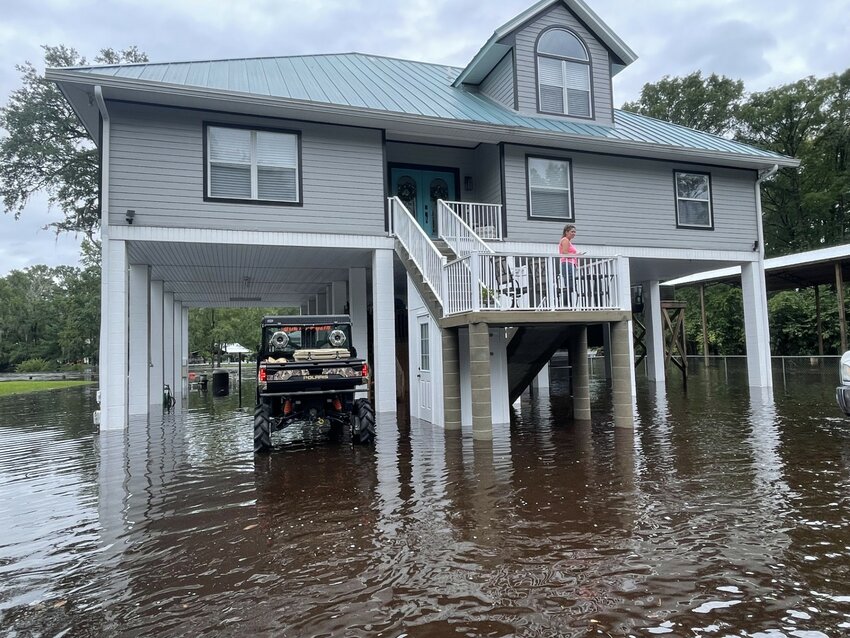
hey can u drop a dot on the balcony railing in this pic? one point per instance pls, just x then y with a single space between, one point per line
483 280
532 282
485 220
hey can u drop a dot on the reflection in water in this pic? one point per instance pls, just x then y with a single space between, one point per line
722 513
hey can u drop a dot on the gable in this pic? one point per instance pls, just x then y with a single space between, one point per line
524 42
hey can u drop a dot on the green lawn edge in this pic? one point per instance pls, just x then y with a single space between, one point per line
8 388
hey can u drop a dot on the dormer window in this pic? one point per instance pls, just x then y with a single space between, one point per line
563 74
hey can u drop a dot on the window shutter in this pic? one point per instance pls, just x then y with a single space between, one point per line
551 80
550 203
230 162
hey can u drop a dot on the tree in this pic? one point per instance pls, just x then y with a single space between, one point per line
47 149
706 104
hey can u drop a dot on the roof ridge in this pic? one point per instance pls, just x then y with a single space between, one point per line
256 57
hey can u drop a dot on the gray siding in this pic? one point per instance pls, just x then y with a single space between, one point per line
480 163
525 40
499 84
156 168
630 202
488 178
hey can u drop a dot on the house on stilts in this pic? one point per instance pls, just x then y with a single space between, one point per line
424 200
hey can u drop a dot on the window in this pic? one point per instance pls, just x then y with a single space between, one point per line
549 191
249 164
693 200
424 348
563 74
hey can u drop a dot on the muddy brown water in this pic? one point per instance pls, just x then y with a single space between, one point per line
722 514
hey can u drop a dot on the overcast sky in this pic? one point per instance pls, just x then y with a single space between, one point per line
763 42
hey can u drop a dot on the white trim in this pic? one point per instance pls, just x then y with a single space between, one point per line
264 238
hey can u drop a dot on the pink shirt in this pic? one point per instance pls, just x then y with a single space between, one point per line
565 247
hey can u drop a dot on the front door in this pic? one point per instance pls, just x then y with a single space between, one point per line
419 189
423 373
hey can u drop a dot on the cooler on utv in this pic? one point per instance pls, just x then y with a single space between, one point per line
308 373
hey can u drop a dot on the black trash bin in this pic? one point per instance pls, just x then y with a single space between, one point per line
220 383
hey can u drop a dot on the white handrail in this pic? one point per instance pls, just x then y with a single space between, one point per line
419 247
457 234
485 220
514 281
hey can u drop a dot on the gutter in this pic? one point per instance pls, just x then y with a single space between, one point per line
763 175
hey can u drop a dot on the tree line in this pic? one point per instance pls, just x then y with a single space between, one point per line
45 149
803 209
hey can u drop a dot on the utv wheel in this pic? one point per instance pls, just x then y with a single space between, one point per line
363 422
262 428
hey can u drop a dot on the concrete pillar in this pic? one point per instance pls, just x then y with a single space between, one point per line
167 340
451 380
156 366
357 302
479 368
756 329
654 331
322 303
465 382
113 359
305 309
622 376
339 295
383 330
139 339
580 368
312 305
606 350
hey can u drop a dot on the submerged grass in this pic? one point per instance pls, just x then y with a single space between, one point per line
25 387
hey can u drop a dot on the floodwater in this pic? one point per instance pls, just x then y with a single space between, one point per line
721 514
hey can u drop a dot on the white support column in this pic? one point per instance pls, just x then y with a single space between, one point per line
113 360
329 299
156 366
312 305
177 353
339 295
305 309
383 330
322 303
357 303
654 331
624 275
756 326
168 340
184 384
541 381
139 339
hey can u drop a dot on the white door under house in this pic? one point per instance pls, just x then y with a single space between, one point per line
425 399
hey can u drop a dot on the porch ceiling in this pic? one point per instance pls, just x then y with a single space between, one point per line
218 275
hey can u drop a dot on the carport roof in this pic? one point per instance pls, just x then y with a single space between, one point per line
800 270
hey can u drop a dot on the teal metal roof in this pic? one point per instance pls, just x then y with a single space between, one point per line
400 86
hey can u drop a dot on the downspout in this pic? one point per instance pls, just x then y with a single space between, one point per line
763 175
102 398
104 165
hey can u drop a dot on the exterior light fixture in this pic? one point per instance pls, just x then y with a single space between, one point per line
130 215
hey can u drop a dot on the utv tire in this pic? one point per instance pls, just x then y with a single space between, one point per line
262 429
362 423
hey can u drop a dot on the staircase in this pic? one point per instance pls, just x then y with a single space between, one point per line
531 348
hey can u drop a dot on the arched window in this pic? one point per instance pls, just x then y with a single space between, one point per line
563 74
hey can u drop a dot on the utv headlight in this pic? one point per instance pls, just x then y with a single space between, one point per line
844 368
279 340
337 338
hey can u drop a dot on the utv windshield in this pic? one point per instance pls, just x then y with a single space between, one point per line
285 340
